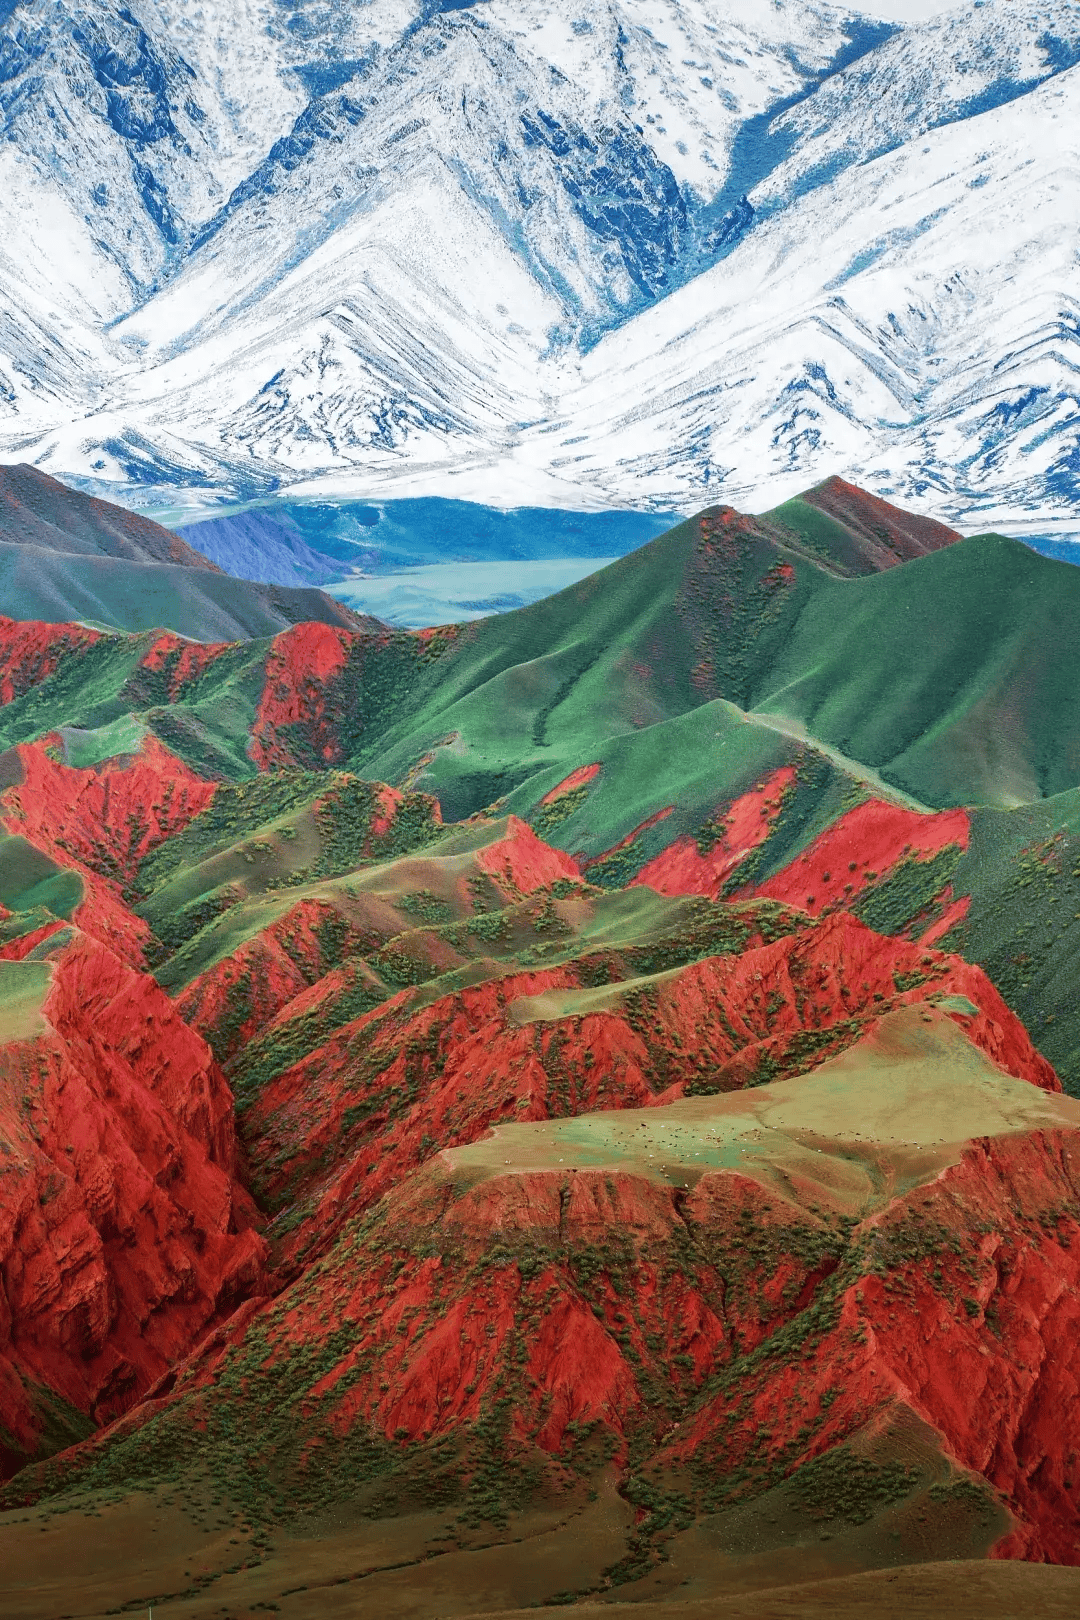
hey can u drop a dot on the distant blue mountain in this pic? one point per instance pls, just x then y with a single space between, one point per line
1047 546
294 543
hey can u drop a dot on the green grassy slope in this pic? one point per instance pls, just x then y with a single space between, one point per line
954 679
121 594
1022 871
957 676
30 880
533 694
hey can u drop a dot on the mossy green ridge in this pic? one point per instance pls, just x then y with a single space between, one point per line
258 848
1022 873
31 880
719 609
957 676
687 672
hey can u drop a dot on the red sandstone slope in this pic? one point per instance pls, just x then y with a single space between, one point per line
856 854
544 1301
302 668
328 1135
328 946
495 1314
729 1325
29 652
971 1319
883 535
124 1230
109 816
100 823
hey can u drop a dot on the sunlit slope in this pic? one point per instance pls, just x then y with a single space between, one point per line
773 1249
726 1298
871 1124
953 678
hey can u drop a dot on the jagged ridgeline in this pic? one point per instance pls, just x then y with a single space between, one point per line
528 185
624 717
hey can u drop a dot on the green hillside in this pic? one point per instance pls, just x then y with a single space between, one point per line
956 676
1022 871
689 673
954 679
124 594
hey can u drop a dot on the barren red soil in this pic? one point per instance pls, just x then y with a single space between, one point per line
124 1229
671 1219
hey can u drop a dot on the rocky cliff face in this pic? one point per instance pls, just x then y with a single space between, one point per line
124 1230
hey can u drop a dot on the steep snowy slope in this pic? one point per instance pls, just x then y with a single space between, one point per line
126 128
113 143
969 61
935 358
551 149
529 250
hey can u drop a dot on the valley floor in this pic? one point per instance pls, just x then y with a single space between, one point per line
61 1563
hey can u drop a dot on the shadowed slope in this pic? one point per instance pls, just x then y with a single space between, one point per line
40 512
65 555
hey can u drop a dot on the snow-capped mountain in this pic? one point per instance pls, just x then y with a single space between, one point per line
636 252
935 360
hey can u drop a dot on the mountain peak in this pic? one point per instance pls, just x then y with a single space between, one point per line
37 510
859 532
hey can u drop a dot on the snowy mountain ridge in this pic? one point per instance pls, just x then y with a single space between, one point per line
642 252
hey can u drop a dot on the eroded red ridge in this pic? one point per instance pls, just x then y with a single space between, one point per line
522 862
860 847
103 820
702 865
31 651
580 777
123 1228
502 1050
301 668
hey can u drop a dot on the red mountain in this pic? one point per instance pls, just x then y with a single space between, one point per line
402 1210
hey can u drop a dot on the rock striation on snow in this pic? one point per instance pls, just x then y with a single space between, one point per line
640 252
